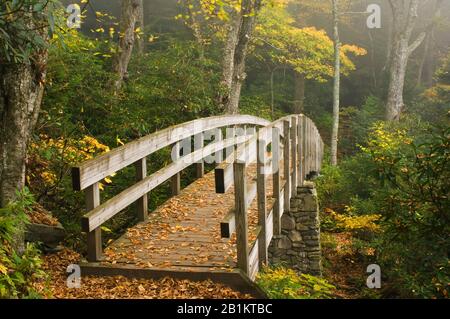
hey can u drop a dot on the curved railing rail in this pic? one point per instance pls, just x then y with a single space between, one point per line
295 135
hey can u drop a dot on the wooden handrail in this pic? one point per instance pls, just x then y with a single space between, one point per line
109 209
96 169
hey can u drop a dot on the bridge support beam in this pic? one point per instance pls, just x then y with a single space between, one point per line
240 198
199 142
261 150
142 203
94 237
175 182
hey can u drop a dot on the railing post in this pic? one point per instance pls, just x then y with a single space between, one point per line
219 155
304 145
230 133
287 170
94 238
308 148
276 154
316 150
241 216
199 142
175 183
311 147
300 176
261 191
294 156
141 203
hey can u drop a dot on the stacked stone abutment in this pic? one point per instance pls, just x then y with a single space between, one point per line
298 246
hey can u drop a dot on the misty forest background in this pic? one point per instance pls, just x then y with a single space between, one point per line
67 95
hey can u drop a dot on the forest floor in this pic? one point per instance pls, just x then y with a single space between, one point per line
119 287
344 267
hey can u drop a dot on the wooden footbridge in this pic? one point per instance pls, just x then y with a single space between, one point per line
220 226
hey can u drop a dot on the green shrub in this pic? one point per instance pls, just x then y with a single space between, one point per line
284 283
414 201
18 272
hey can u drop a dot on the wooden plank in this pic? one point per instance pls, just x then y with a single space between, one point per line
294 156
141 203
282 207
307 147
261 197
276 149
175 184
199 142
219 154
286 167
304 144
241 217
316 149
113 206
253 260
94 236
94 170
300 175
227 225
269 227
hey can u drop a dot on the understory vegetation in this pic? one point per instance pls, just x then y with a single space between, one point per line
387 202
390 201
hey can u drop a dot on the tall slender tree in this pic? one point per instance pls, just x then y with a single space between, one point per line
337 83
426 66
249 10
405 15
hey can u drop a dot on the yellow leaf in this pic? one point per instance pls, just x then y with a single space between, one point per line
119 141
3 269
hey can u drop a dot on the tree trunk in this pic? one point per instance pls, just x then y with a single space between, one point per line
337 84
299 97
389 46
249 9
21 91
228 59
272 92
130 16
140 42
426 67
401 50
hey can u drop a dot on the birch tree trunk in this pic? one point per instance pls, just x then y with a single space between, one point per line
405 14
130 16
337 84
249 10
228 59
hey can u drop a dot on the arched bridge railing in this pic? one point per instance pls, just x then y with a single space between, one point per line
296 151
296 136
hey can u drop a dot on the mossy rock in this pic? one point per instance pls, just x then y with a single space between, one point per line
50 236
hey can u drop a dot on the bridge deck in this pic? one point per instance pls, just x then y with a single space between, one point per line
184 233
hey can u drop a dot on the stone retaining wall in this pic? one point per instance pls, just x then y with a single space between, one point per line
298 246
